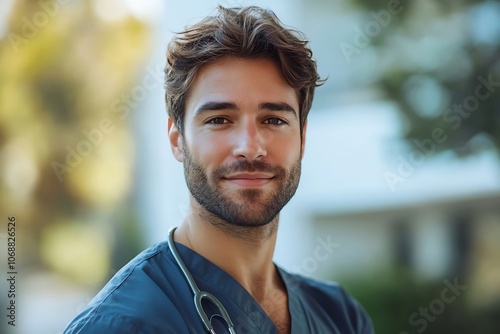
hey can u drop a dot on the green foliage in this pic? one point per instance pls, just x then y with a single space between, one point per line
392 298
443 49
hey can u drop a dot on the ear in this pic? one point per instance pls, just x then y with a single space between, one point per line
303 140
175 140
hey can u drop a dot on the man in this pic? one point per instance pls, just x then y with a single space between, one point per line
239 87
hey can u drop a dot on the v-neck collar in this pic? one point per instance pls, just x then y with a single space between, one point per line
212 278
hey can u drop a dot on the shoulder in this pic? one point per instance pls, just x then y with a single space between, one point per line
104 324
331 298
129 301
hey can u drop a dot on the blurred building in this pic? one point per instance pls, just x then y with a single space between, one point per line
442 221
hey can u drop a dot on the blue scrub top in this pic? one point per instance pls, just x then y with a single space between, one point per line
151 295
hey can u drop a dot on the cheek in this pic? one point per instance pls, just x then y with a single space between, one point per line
209 151
284 151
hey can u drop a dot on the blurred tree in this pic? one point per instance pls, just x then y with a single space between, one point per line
66 156
440 63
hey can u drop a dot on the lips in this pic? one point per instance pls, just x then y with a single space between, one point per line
250 179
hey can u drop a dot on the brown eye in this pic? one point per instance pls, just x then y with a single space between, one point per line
275 121
217 120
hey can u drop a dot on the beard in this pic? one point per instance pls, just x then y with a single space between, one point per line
248 207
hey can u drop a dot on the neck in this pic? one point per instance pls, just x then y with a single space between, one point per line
245 253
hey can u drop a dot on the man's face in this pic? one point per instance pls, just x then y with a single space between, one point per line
242 146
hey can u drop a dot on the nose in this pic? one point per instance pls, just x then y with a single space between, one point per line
249 142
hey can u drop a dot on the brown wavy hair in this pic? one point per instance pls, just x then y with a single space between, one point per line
248 32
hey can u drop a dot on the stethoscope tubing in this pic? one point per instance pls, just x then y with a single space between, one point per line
197 293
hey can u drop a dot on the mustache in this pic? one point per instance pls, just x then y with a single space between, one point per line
251 167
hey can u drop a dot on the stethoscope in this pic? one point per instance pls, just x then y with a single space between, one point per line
198 294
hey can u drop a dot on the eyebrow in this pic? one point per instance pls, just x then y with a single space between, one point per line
214 106
270 106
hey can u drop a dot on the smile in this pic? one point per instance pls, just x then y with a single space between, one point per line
249 179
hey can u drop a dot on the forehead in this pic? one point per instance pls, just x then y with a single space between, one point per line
240 80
